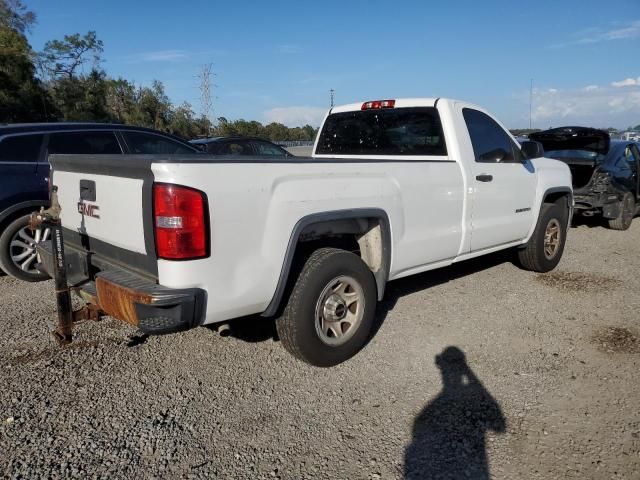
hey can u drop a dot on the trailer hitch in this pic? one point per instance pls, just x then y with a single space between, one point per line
67 317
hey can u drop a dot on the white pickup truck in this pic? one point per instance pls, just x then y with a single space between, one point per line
394 188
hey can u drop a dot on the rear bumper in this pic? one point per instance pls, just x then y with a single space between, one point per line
123 295
608 202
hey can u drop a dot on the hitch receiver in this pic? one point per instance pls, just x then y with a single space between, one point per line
50 218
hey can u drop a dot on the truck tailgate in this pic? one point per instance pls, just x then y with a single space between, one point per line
106 208
113 216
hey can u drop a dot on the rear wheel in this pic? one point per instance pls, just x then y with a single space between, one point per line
544 249
329 314
627 212
18 256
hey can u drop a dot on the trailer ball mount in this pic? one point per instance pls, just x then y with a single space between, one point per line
67 317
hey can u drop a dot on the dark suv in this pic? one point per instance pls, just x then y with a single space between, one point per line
605 172
24 174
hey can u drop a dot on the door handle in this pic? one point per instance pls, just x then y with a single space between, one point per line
484 178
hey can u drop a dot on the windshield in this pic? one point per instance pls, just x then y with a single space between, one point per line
397 131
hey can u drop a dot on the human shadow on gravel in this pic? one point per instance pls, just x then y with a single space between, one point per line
449 433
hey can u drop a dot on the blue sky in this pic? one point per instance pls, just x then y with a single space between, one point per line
277 60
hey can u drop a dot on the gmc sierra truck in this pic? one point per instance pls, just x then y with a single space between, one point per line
394 188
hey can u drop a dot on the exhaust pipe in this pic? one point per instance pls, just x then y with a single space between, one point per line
224 330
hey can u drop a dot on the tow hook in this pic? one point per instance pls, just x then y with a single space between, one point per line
67 317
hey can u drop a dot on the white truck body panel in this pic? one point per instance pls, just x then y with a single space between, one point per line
439 213
120 209
281 194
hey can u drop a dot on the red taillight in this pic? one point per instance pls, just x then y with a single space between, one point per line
378 104
180 222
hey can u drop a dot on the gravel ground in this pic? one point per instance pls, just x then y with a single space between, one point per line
477 370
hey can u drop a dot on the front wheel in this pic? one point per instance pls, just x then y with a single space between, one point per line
627 211
543 251
18 256
330 312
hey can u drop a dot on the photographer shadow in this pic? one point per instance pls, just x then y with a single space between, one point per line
449 433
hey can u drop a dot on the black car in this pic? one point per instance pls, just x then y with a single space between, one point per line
604 171
240 146
24 173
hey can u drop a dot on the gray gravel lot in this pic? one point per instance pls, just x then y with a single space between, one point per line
540 381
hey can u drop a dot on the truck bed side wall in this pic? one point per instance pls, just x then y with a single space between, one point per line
254 208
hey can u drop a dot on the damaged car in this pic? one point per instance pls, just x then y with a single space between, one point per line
604 171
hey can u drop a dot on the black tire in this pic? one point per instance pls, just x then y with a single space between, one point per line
627 212
7 264
534 255
301 332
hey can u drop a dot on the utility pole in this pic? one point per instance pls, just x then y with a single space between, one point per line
332 93
530 104
205 93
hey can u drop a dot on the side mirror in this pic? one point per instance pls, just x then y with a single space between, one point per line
494 156
532 149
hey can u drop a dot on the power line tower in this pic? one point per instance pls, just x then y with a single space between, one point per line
332 94
206 106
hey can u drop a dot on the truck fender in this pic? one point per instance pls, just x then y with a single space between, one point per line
381 275
550 192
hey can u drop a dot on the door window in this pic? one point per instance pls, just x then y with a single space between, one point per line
268 149
235 148
491 144
86 143
633 157
21 148
148 143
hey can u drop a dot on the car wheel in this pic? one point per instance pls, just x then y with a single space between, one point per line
627 212
543 251
330 312
18 256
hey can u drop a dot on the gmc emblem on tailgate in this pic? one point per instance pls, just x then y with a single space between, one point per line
88 209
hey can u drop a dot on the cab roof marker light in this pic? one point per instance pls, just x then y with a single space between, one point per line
378 104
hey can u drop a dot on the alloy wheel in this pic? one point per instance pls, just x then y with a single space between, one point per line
22 248
552 237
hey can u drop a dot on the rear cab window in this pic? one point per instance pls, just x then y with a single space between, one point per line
412 131
21 148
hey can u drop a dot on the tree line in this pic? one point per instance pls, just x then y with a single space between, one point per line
64 82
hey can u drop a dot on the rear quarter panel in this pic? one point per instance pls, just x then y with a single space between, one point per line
255 206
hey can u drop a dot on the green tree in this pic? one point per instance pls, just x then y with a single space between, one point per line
183 122
22 96
121 99
153 108
83 98
63 58
14 15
